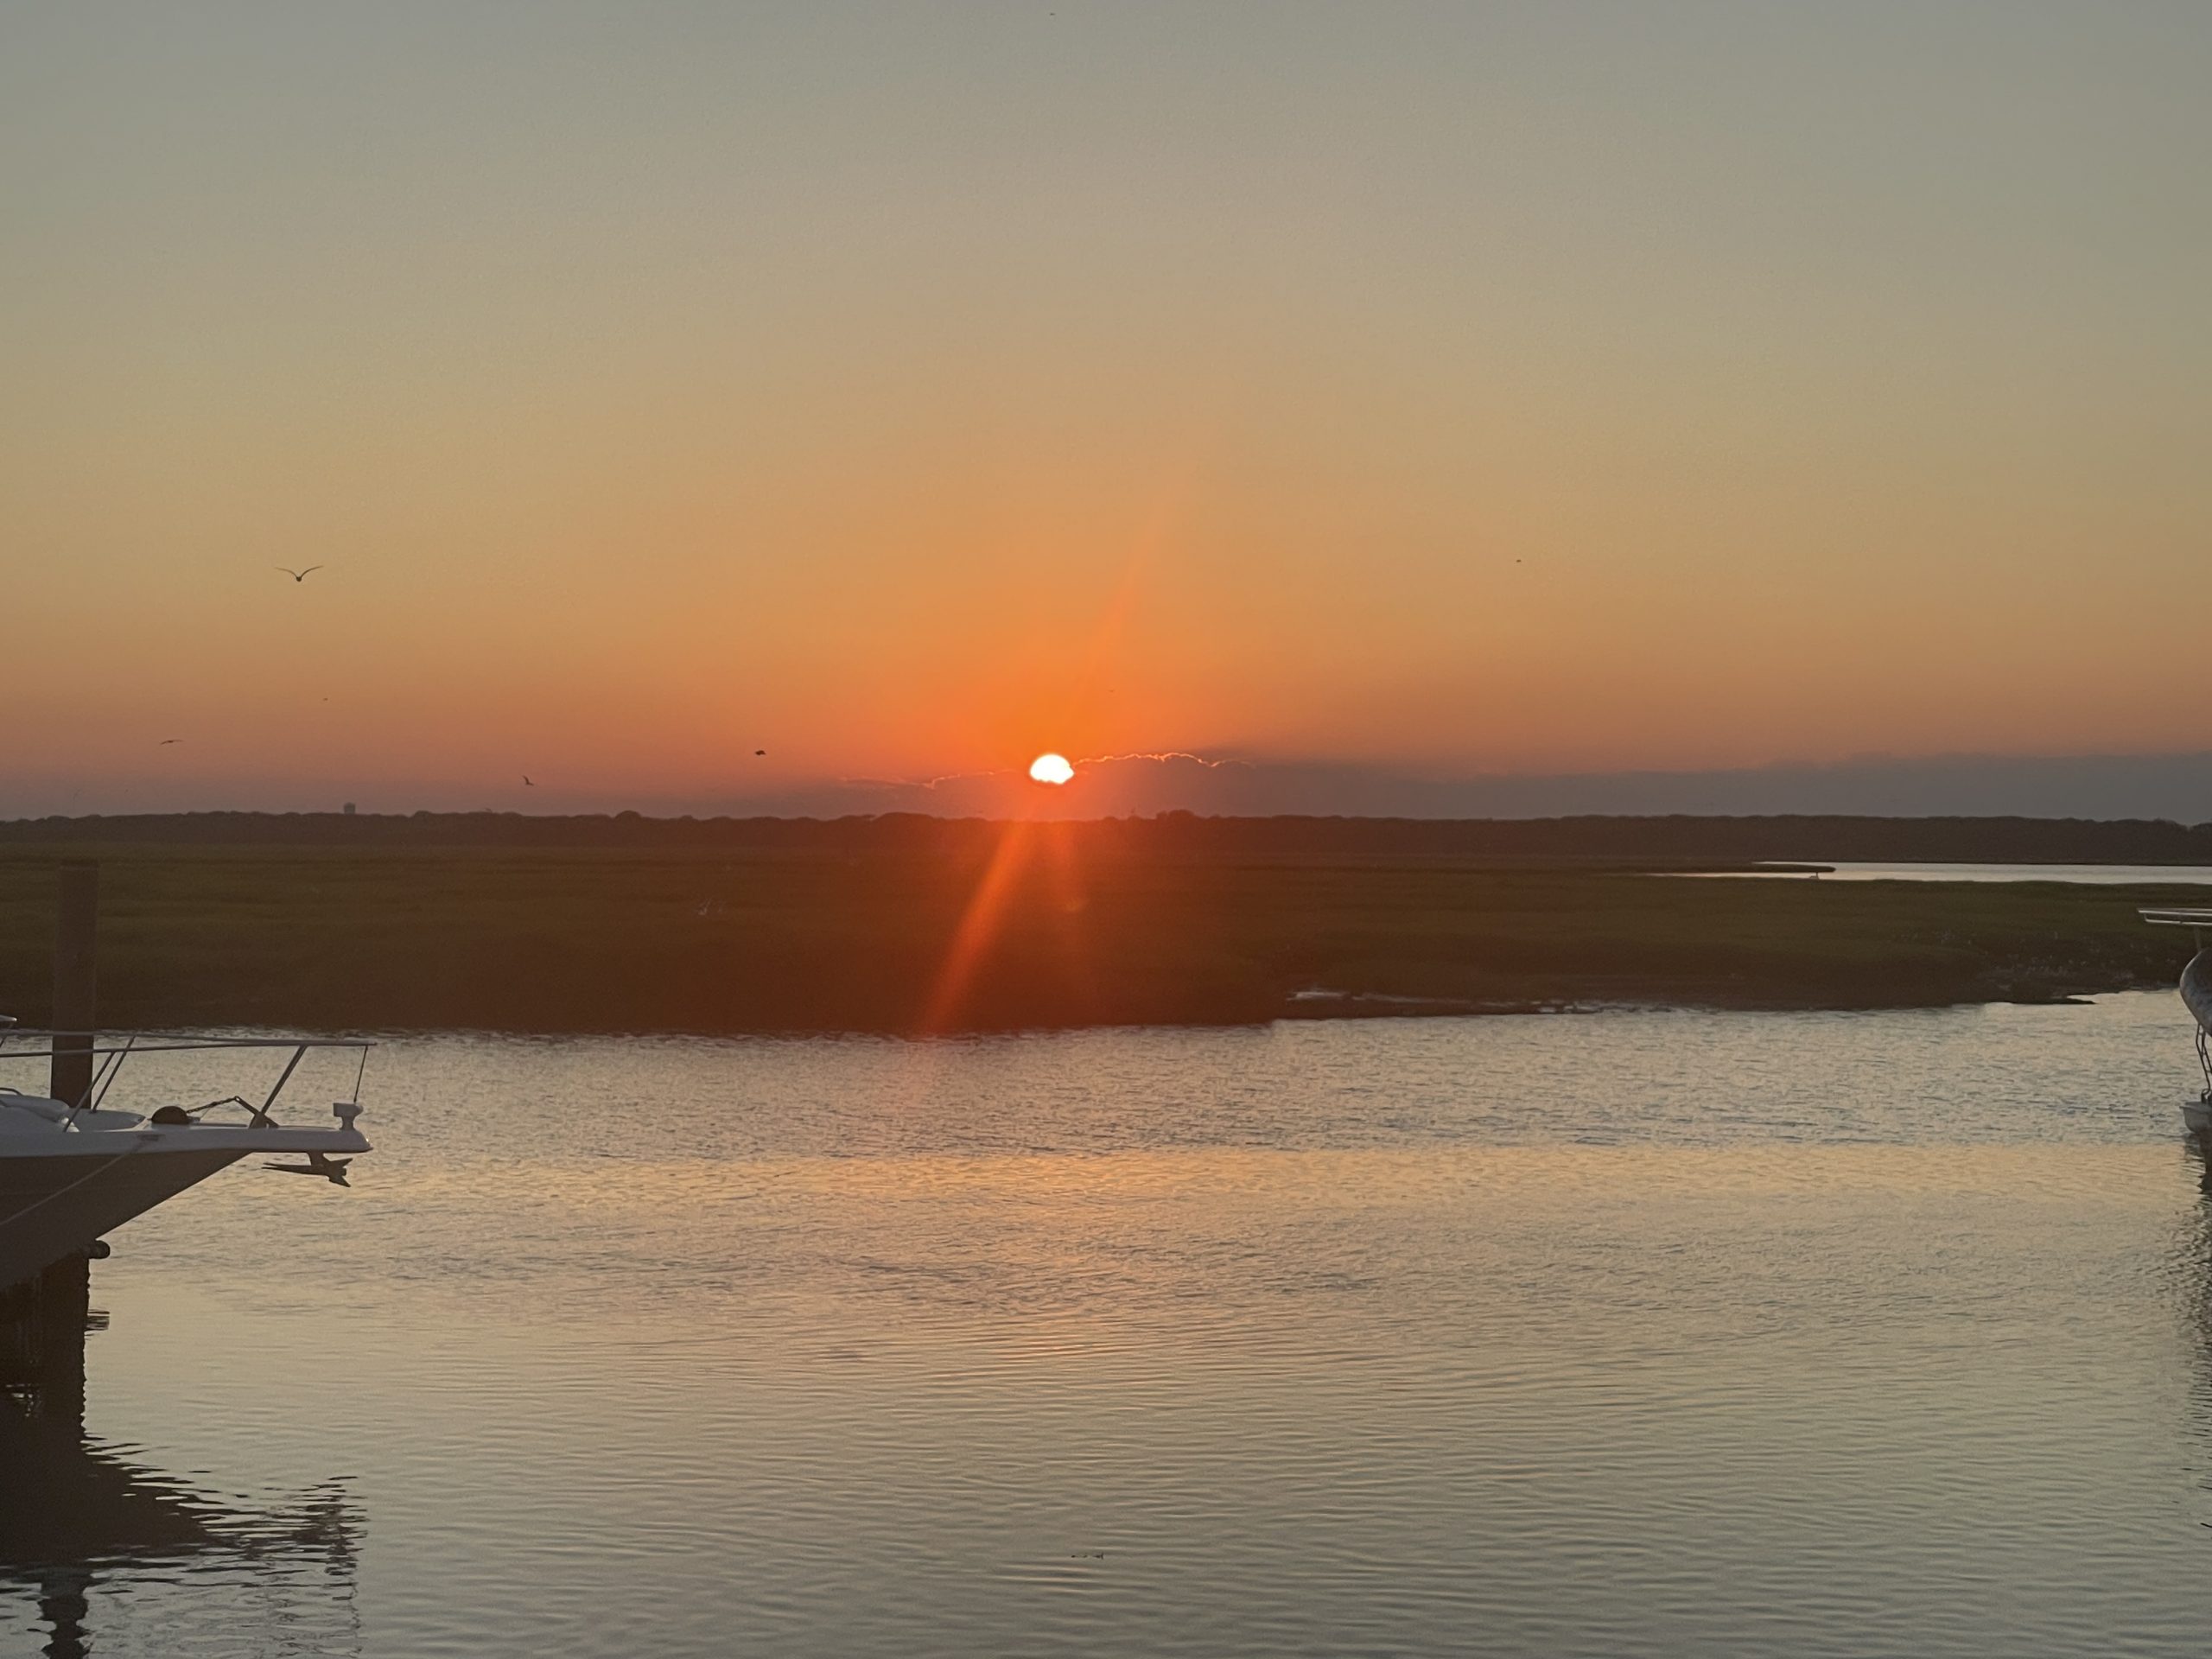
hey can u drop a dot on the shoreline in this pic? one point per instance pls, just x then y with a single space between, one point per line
1566 1009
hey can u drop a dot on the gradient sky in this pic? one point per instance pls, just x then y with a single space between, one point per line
908 388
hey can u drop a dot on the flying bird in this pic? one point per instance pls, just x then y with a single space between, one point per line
296 575
757 753
166 741
526 783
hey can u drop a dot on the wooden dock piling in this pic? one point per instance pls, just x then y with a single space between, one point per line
42 1325
75 1010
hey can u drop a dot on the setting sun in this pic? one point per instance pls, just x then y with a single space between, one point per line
1050 769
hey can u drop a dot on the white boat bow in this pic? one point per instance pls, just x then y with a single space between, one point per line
70 1173
2196 989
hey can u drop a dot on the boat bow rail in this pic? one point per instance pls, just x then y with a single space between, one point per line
2170 916
108 1058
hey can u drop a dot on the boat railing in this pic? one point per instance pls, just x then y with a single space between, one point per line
2171 916
106 1050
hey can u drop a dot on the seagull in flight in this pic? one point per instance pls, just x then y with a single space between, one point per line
166 741
758 753
526 783
296 575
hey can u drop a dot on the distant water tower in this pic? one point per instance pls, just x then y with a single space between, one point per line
349 809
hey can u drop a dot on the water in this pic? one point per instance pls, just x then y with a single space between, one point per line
1630 1334
2094 875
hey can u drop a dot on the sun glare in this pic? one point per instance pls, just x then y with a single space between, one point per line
1050 769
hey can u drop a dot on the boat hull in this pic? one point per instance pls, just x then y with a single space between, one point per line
54 1207
2196 987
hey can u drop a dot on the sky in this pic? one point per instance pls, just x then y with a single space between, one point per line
1449 394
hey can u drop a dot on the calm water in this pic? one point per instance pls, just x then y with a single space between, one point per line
2095 875
1628 1333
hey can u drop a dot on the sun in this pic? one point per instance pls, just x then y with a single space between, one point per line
1050 769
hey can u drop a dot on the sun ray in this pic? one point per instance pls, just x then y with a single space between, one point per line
978 923
981 920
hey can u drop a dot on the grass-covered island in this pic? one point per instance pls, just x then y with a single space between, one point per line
902 925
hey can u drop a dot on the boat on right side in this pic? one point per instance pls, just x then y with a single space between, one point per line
2197 996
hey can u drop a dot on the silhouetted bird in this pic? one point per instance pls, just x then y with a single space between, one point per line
296 575
758 753
526 783
166 741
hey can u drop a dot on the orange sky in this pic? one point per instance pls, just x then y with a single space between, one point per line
906 389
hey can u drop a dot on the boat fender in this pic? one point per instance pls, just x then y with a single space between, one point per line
169 1116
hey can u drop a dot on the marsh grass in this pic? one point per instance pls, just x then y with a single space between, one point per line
1082 930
